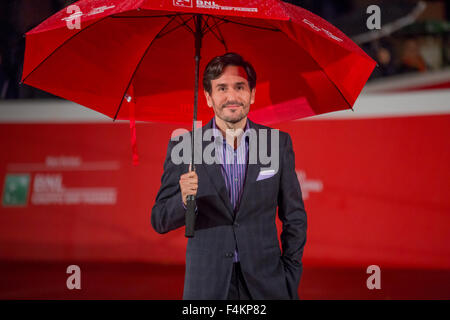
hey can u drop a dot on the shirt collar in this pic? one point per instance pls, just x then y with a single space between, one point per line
217 133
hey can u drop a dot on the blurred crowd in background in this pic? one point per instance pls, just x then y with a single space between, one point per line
414 35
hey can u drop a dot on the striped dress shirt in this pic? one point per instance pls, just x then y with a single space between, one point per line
234 166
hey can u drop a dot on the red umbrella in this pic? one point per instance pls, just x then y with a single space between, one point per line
305 65
135 59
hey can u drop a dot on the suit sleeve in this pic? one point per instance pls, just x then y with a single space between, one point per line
168 212
292 214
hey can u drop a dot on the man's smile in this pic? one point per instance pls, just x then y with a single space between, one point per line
233 106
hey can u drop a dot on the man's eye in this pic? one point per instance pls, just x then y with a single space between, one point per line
221 89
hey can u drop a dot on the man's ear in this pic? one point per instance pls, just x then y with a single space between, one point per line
208 98
252 98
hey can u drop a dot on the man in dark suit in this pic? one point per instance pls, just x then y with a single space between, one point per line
235 253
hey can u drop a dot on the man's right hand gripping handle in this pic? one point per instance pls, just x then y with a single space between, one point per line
189 185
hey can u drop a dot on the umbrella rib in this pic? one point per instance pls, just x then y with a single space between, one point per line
137 66
166 15
249 25
186 25
334 84
60 46
175 28
339 90
221 36
210 28
220 39
206 24
155 16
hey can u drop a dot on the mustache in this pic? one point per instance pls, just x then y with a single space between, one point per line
233 103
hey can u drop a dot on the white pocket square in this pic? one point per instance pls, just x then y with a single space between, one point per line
265 174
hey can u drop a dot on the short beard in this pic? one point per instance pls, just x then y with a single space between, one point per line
241 116
234 120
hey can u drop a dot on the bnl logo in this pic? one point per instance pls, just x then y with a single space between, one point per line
15 190
183 3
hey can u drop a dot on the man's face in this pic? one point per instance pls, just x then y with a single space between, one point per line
231 96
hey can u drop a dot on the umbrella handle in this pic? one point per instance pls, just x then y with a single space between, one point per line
190 216
190 199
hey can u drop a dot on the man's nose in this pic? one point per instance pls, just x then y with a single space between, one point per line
232 95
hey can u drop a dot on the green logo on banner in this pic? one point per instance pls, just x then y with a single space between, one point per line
15 191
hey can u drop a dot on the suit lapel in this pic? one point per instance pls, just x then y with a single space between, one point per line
251 175
214 172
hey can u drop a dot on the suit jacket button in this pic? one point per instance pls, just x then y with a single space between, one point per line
236 224
229 254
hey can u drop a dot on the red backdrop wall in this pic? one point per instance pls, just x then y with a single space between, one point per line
376 191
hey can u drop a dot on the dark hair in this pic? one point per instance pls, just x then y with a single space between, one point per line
215 68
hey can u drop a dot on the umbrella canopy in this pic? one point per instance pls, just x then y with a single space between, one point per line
145 49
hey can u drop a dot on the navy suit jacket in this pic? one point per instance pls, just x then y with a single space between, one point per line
270 273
